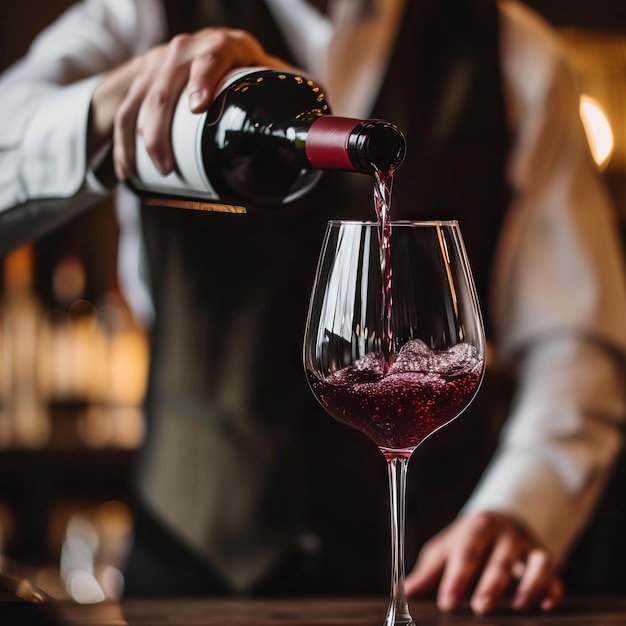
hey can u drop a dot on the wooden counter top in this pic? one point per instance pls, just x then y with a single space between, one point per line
590 611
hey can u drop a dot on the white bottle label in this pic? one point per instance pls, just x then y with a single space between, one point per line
189 180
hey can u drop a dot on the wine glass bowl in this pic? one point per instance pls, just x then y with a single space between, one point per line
394 344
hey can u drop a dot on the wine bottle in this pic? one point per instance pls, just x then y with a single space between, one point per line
263 142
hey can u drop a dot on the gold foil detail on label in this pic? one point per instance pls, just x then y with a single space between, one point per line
181 203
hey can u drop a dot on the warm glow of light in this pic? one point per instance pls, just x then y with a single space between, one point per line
598 129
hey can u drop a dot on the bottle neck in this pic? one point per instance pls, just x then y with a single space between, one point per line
327 143
342 143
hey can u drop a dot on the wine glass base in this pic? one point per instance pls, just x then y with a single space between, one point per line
398 618
399 622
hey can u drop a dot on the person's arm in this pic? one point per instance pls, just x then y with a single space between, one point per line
45 105
560 304
560 296
95 78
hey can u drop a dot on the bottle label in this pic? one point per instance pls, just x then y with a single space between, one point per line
189 180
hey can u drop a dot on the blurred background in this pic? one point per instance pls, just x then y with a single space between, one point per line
73 365
73 361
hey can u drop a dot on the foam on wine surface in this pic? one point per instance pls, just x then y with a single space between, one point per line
421 391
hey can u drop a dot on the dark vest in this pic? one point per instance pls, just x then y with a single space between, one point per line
443 89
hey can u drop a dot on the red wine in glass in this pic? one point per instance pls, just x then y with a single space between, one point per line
394 343
397 409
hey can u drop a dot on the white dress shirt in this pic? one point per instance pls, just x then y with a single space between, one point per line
560 292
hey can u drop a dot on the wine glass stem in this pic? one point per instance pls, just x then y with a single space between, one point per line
398 611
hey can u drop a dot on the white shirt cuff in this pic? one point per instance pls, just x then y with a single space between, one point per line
528 490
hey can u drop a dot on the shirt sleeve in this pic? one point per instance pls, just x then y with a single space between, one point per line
559 444
560 297
44 104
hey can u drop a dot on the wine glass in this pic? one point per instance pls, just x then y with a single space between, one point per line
394 345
